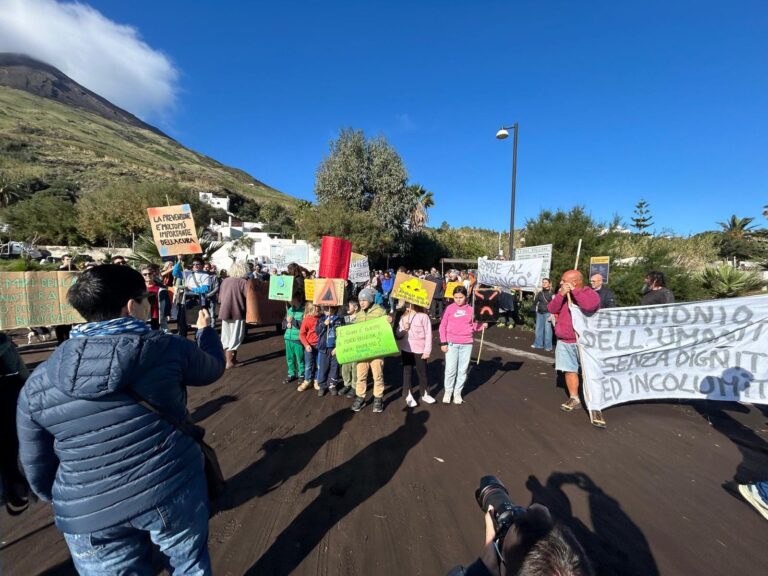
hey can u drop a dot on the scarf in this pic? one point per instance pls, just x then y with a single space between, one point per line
124 325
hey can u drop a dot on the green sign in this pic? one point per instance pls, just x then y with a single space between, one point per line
281 288
369 339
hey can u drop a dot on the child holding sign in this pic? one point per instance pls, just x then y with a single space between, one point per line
349 370
328 369
294 351
415 333
456 329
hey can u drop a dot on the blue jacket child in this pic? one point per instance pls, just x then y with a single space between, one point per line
328 371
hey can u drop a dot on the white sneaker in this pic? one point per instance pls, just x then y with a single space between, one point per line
428 399
447 399
411 401
458 400
752 496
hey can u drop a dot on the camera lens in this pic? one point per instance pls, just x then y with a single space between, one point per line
492 492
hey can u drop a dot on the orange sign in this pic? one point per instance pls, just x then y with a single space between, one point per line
173 229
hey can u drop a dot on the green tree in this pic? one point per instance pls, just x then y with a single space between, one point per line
737 227
47 217
368 175
642 218
424 201
728 282
278 218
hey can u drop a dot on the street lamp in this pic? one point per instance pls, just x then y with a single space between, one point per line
503 134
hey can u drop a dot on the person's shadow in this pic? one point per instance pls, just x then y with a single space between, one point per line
282 459
211 407
616 546
342 489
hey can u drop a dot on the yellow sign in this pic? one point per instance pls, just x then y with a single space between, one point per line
450 287
29 299
309 289
173 229
413 289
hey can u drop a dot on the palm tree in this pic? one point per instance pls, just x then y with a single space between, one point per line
145 250
728 282
8 191
737 227
423 201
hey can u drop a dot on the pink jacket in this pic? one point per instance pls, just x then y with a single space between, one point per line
418 338
457 326
585 298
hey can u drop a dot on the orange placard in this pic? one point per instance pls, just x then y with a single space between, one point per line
173 229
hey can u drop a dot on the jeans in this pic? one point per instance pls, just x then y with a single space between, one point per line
543 331
178 526
310 364
456 365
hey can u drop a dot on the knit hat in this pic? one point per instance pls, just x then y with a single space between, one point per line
367 294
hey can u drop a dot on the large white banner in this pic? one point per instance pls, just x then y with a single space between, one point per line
544 251
714 350
524 274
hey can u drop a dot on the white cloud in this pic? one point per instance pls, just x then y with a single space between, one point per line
108 58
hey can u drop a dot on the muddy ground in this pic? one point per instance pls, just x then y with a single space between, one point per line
315 489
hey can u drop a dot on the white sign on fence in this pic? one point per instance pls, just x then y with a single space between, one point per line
544 251
359 270
523 274
712 350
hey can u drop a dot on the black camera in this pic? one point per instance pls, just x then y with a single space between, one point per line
492 492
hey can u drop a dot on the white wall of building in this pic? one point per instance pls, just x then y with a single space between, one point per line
277 252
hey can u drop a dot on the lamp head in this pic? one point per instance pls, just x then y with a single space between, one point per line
502 134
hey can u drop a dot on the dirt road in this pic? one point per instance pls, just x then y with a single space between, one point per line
315 489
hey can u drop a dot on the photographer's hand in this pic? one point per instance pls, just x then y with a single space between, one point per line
488 556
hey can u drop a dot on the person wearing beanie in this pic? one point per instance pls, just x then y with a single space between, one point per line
368 311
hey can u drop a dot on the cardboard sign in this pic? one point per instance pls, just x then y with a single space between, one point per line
487 304
510 274
259 309
600 265
450 287
281 288
329 292
173 229
29 299
335 255
413 289
309 289
710 350
364 341
359 269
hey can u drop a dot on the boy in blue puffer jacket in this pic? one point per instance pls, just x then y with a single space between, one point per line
328 366
115 471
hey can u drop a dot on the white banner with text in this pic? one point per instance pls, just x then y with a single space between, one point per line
709 350
510 274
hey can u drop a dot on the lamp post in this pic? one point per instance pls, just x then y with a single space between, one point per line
503 134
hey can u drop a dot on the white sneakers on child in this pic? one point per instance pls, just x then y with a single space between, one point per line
411 401
428 399
446 399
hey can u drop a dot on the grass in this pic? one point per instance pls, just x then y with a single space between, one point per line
44 137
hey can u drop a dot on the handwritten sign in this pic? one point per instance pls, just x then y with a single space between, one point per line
450 287
173 229
366 340
281 288
600 265
543 251
29 299
335 255
486 305
309 289
699 350
413 289
328 292
519 274
359 269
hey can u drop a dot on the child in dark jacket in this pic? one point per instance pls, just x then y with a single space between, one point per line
328 371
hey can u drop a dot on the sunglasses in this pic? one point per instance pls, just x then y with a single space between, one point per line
146 273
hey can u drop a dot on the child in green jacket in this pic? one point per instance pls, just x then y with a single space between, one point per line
294 351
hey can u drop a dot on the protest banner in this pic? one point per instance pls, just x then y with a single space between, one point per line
173 229
328 292
359 269
413 289
309 289
486 305
543 251
518 274
450 287
259 309
713 350
366 340
29 299
600 265
335 255
281 288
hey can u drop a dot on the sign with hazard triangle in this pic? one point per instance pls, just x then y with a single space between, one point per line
329 292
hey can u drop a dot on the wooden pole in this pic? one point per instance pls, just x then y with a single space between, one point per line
479 352
578 253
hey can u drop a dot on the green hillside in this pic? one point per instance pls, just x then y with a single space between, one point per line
42 138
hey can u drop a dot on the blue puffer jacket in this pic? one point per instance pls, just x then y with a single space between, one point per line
97 454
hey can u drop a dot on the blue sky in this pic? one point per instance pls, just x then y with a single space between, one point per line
615 100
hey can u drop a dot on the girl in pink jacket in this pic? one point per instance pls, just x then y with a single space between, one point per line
415 334
456 330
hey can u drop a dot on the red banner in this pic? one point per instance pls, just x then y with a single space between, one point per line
335 254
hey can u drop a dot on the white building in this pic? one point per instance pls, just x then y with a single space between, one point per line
214 201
